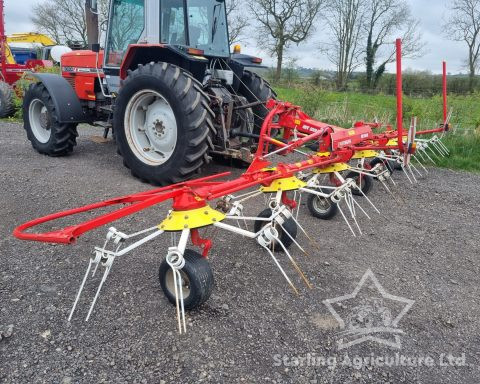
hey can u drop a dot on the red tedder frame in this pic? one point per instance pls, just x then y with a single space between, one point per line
338 145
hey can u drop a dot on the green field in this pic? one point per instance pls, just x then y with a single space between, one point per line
344 109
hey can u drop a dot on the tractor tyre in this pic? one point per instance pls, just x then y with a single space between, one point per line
162 123
40 120
321 207
387 163
255 88
288 226
197 280
364 182
7 107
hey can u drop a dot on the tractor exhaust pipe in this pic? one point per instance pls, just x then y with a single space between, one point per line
91 18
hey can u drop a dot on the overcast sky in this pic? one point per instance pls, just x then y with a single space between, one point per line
430 12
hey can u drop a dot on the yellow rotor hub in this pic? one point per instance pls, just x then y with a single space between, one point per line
194 218
364 154
339 167
285 184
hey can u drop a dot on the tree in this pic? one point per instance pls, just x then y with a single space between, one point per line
464 25
383 19
64 20
345 20
237 21
283 22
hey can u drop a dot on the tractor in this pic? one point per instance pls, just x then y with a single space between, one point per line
165 84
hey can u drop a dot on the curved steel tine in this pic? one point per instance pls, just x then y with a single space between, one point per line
295 265
281 269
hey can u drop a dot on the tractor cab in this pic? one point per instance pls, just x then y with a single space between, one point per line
192 26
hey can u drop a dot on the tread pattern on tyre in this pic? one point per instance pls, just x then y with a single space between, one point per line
198 116
63 136
204 276
258 89
7 107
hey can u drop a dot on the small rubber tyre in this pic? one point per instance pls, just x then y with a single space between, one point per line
321 207
7 107
163 123
40 120
255 88
288 226
389 164
363 181
197 278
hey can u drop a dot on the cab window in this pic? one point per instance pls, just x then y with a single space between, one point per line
126 27
173 22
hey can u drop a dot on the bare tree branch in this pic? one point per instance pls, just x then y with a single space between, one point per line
283 22
64 20
344 18
464 25
238 21
384 21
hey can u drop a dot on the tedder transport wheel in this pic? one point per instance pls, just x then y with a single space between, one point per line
289 225
197 280
386 163
255 88
45 133
363 181
321 207
7 108
162 123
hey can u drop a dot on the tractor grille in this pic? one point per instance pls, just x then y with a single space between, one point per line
71 81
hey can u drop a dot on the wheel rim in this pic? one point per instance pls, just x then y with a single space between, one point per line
321 204
170 283
38 118
151 127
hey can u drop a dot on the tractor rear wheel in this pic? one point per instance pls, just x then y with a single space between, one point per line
197 280
255 88
7 108
162 123
40 120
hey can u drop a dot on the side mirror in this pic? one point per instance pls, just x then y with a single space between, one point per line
96 47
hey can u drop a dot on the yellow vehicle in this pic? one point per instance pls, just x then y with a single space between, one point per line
34 38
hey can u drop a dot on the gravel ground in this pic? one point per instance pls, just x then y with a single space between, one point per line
253 328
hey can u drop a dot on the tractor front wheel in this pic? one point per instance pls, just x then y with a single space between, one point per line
7 108
162 123
40 120
197 280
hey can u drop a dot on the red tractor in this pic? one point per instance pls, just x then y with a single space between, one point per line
166 84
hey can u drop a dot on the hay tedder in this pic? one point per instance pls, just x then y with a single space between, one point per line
330 165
